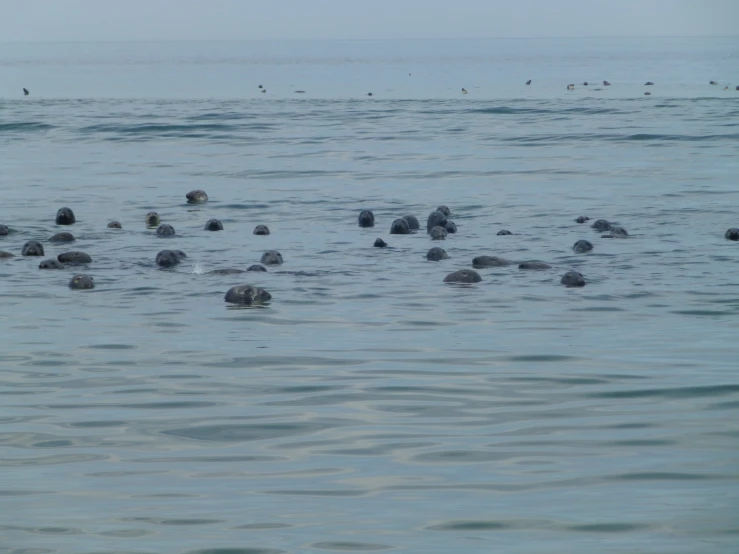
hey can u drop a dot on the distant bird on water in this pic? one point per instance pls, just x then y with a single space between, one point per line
464 91
570 87
528 82
585 84
606 84
25 92
260 86
713 83
264 90
648 84
369 94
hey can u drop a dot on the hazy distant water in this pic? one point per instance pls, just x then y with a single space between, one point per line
370 407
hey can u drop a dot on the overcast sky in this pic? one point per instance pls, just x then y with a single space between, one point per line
111 20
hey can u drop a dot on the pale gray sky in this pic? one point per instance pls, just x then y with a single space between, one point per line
111 20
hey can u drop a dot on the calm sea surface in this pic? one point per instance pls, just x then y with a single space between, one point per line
369 406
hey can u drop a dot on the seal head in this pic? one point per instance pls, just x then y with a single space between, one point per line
214 225
463 276
152 219
573 279
436 254
400 227
271 257
247 294
74 258
196 197
261 230
62 237
81 282
32 248
366 218
165 230
65 216
582 246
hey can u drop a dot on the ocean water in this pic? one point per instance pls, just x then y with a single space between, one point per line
369 406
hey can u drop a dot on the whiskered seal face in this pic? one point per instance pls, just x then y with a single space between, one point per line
152 219
366 218
32 248
247 295
196 197
81 282
65 216
214 225
573 279
582 246
165 230
400 227
436 254
438 233
261 230
271 257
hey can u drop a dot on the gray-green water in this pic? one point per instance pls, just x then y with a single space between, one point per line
369 406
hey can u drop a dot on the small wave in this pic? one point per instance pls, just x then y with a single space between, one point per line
25 126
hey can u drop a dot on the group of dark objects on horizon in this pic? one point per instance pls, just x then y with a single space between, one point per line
438 227
571 86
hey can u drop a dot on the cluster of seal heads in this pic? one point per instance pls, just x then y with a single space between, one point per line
243 294
439 226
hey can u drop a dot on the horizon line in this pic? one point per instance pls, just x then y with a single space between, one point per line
169 41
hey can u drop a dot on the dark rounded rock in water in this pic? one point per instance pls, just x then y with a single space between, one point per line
196 197
438 233
732 234
450 227
435 254
412 221
256 267
463 276
489 261
170 258
271 257
152 219
582 246
246 294
74 258
445 210
4 231
115 225
582 219
503 232
379 243
537 266
262 230
214 225
400 227
32 248
51 264
62 237
65 216
165 230
601 225
4 254
81 281
573 279
366 218
435 219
